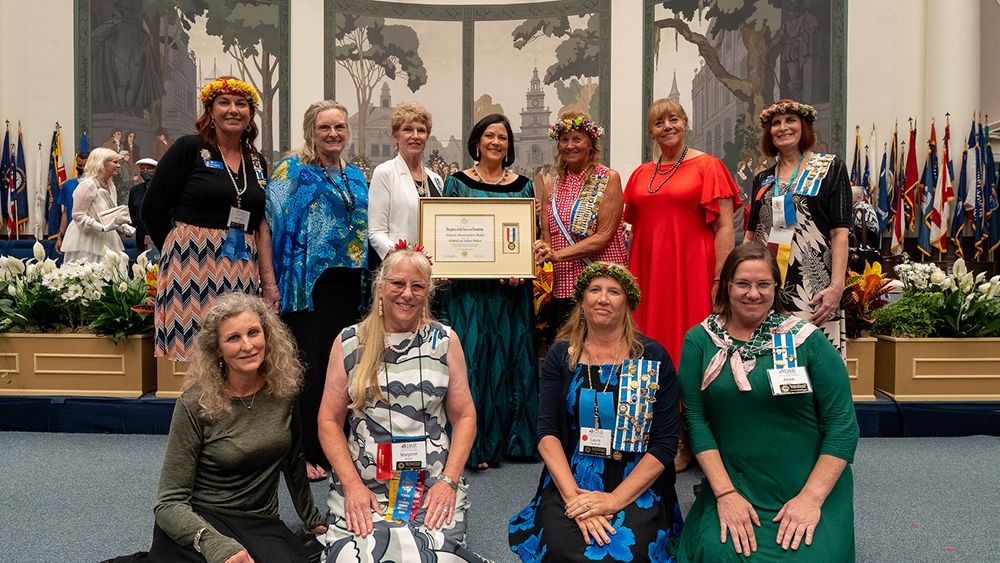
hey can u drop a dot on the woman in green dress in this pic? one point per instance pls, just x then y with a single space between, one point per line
775 444
494 317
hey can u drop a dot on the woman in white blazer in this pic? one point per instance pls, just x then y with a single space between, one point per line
398 183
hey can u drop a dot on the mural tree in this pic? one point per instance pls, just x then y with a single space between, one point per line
485 106
250 34
370 51
756 21
577 58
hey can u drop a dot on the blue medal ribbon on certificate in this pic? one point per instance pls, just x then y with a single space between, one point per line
235 246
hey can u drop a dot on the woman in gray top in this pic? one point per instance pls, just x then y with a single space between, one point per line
234 428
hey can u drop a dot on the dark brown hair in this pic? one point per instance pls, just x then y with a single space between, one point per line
746 253
206 130
806 141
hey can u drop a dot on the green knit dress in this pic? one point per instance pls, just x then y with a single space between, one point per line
769 446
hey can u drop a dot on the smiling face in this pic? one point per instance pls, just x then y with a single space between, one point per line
331 135
241 343
604 303
411 138
493 144
231 113
403 292
668 132
786 131
111 166
574 148
750 306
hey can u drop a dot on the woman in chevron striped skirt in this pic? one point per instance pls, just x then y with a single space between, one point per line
203 209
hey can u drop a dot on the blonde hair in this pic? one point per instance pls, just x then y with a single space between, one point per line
574 332
595 144
281 369
94 168
307 154
407 112
371 331
661 109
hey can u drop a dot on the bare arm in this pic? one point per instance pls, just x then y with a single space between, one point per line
359 502
265 264
827 301
608 218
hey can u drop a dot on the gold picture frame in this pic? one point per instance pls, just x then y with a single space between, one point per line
478 238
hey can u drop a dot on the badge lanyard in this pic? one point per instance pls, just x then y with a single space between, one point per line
787 377
596 415
235 246
783 216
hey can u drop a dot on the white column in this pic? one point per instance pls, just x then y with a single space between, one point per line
952 72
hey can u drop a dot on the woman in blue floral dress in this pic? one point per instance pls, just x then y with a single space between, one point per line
313 269
607 429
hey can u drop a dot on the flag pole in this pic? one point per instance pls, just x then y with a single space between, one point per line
39 195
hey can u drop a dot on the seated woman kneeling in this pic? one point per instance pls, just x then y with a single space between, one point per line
398 379
775 444
607 424
234 428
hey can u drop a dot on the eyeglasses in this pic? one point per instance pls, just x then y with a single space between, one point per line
397 285
325 129
764 286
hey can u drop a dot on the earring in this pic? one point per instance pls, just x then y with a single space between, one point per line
211 124
222 366
478 156
248 127
380 308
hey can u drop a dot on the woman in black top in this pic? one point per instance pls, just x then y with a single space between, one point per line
202 209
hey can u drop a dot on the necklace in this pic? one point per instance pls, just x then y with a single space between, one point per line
479 175
345 193
243 169
668 174
783 188
252 398
403 346
614 354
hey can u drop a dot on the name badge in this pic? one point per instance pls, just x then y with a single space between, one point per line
238 218
216 164
789 381
595 441
409 453
780 235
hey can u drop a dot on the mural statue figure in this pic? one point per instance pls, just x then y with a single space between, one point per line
124 71
795 46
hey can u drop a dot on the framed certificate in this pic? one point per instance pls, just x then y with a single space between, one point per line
471 237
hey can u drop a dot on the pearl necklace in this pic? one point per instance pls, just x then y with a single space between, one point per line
243 168
403 346
668 174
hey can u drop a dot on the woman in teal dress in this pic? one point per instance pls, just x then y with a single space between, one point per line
776 446
494 317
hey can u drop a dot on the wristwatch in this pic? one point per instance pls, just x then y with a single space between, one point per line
455 486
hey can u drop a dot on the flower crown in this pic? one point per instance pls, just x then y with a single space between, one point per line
613 271
805 111
418 248
229 86
579 123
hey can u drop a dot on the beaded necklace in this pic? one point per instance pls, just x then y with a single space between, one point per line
668 174
350 203
479 176
243 169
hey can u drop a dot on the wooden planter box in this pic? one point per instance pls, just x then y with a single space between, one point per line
169 376
76 364
861 367
938 369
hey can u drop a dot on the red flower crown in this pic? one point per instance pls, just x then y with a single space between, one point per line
418 248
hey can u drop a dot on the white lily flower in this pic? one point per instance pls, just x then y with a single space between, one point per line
38 250
959 268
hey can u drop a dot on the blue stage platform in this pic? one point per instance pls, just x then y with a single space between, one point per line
880 418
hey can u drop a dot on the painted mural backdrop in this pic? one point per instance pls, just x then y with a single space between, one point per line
725 61
141 62
462 63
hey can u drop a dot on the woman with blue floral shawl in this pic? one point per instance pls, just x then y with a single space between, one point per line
313 269
607 429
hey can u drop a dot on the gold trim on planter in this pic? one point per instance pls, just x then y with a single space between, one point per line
76 364
861 367
169 376
938 369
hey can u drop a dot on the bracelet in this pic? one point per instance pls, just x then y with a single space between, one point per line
729 492
197 539
450 482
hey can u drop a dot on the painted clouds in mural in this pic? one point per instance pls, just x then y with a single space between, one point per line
147 59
